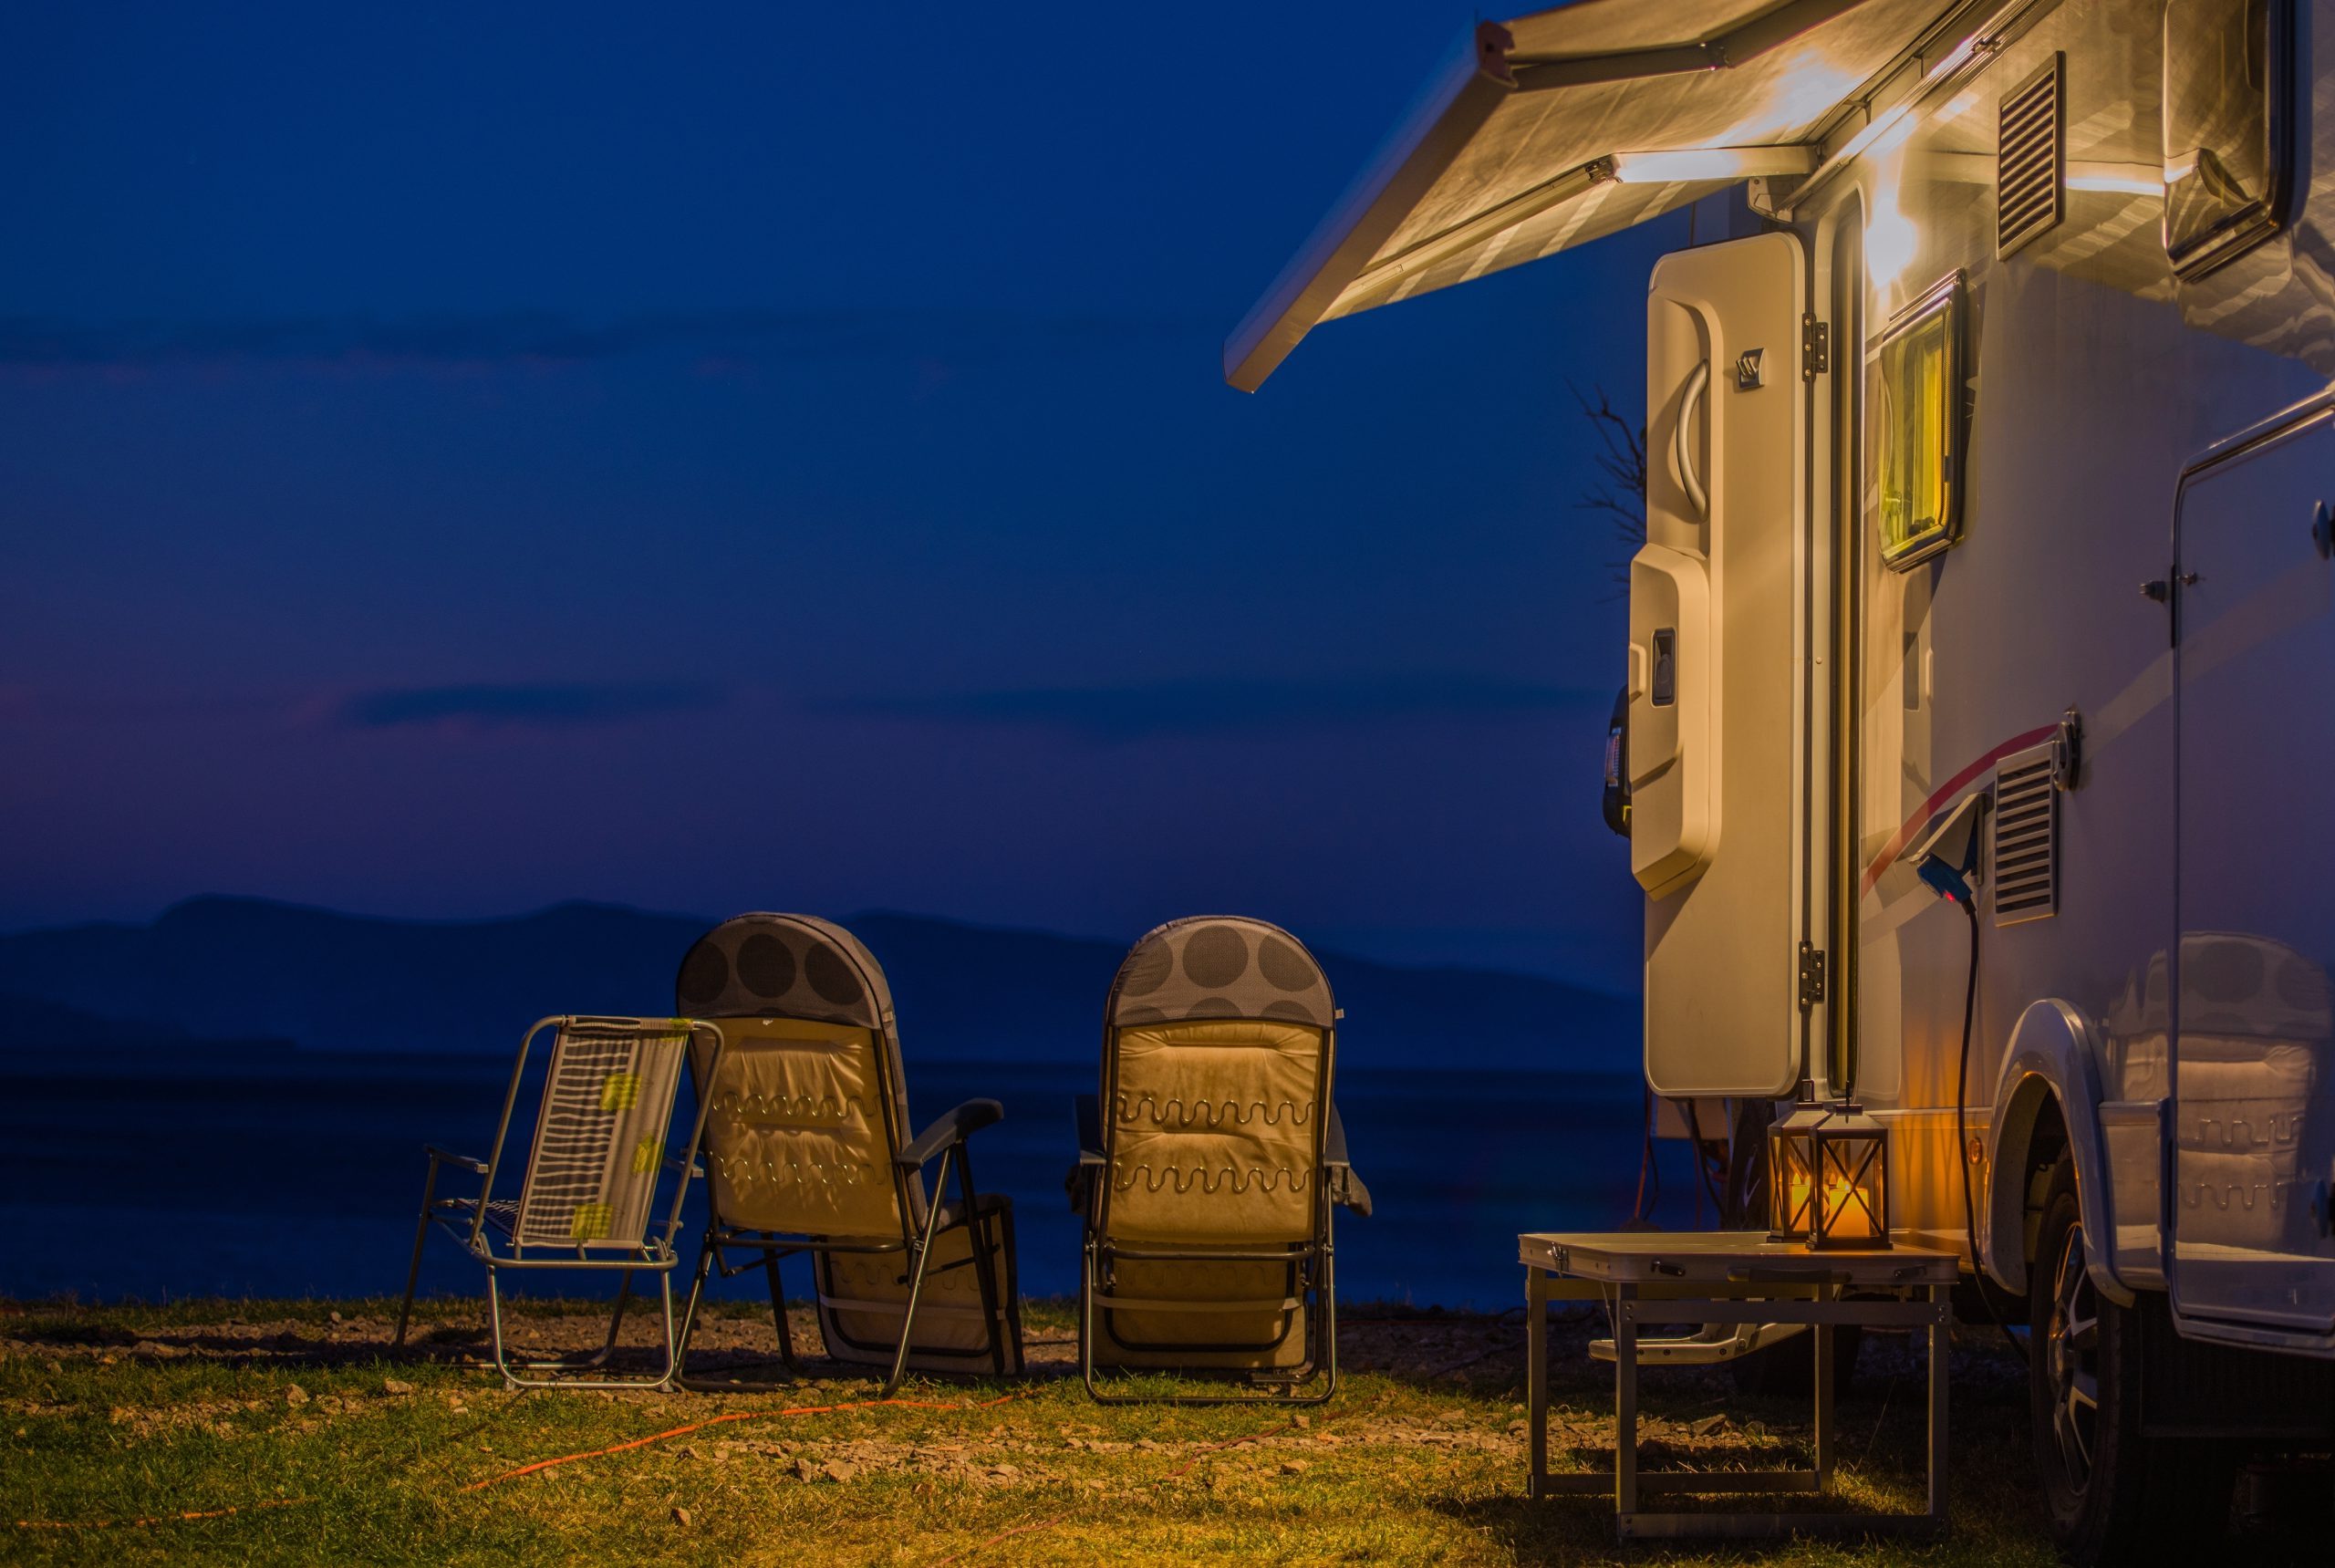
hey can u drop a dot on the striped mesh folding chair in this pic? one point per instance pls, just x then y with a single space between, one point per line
808 1152
587 1198
1209 1166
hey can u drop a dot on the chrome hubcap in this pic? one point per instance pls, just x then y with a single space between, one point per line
2071 1363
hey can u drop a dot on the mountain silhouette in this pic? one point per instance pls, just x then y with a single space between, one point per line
220 969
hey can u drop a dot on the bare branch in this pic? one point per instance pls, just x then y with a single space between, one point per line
1619 492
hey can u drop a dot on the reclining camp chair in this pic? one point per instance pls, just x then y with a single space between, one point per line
589 1193
807 1150
1207 1187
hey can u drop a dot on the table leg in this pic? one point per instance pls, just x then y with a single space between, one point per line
1824 1380
1937 1294
1536 1374
1626 1401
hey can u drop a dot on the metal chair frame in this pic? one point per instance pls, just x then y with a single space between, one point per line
465 1219
949 1139
1311 1265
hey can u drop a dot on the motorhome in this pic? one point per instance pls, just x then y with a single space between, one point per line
1980 684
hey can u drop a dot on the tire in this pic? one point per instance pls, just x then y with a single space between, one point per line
2114 1495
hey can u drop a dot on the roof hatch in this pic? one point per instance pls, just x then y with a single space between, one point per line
1557 128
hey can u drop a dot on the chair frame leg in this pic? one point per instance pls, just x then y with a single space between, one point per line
707 1259
510 1371
778 1311
1011 1327
689 1312
983 1247
420 1239
615 1323
923 1248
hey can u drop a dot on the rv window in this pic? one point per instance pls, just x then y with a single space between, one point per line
1913 405
2226 113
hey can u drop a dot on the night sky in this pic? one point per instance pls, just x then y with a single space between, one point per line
453 460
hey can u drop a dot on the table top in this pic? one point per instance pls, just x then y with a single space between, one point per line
1726 1257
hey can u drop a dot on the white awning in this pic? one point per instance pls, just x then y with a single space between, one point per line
1566 125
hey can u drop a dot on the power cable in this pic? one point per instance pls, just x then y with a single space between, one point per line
1962 1135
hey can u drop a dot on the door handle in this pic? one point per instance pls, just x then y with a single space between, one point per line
1698 386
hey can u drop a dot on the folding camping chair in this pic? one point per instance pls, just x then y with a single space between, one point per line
1207 1189
590 1186
807 1152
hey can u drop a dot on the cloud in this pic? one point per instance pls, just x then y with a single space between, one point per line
1201 707
537 705
545 337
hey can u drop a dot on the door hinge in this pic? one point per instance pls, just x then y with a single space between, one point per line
1815 347
1811 976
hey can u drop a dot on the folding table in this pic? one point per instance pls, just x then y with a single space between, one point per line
1651 1277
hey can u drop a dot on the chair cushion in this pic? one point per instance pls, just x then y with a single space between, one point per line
1215 1132
795 1132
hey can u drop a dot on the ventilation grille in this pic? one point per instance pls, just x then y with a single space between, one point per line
2030 158
2025 857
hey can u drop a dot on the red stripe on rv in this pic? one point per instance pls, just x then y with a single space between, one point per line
1942 795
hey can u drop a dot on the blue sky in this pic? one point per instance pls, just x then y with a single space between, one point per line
457 458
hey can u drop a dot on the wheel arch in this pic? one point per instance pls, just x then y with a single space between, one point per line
2046 1101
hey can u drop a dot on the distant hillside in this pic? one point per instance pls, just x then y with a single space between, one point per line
218 969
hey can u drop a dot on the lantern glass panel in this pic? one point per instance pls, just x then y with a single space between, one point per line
1792 1175
1852 1182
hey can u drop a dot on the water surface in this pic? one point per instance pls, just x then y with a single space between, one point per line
297 1173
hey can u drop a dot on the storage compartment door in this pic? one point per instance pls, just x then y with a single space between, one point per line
2254 1076
1715 673
1670 753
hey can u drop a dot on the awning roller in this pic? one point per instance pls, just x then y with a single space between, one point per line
1560 127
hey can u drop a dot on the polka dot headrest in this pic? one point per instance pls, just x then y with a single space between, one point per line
1220 966
784 966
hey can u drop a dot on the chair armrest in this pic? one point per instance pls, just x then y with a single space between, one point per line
447 1157
1078 1185
1346 1190
1090 1130
954 1127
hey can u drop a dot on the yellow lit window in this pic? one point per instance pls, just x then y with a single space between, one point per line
1913 412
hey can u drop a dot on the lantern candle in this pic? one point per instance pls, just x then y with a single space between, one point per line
1829 1178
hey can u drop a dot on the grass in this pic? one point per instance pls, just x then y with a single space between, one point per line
330 1448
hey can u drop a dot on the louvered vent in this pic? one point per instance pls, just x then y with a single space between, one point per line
2030 158
2026 859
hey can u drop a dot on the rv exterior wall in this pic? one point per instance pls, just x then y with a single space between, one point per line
2093 377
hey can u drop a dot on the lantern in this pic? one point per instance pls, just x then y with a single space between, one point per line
1791 1173
1829 1178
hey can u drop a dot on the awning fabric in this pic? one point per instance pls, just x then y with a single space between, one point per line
1518 149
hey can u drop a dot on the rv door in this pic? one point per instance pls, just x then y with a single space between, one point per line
2254 1042
1715 672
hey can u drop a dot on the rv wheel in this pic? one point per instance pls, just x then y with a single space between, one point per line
2114 1495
